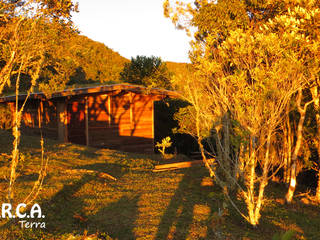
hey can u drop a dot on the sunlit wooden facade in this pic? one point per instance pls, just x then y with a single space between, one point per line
114 116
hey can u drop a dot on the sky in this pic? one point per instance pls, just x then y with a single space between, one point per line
132 27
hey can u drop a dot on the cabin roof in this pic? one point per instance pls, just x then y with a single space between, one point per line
92 90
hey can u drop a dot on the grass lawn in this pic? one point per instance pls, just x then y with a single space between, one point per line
181 204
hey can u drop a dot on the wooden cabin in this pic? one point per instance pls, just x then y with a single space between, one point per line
111 116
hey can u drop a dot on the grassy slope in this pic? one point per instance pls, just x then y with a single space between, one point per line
141 204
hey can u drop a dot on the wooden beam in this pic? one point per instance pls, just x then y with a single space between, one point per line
40 111
131 111
62 121
174 166
152 112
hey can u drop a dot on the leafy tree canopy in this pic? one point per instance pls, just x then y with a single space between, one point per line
147 71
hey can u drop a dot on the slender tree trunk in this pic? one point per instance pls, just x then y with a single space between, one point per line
288 147
285 151
318 187
204 158
229 165
264 179
16 129
316 102
293 168
16 142
318 150
251 193
15 156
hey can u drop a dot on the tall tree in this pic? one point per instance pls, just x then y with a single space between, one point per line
30 29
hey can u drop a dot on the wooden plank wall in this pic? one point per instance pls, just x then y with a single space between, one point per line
38 115
76 121
118 120
121 121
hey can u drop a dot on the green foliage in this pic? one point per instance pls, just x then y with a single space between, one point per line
28 35
146 71
165 143
80 61
221 18
186 118
29 38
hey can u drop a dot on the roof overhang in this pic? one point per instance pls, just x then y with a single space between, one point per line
93 90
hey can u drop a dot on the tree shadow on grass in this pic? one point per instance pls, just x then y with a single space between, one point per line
65 213
116 170
61 210
87 153
179 214
117 219
22 178
301 215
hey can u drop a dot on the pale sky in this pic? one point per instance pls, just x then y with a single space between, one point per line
132 27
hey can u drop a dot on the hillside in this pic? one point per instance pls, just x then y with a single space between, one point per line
178 68
96 62
76 61
182 204
81 61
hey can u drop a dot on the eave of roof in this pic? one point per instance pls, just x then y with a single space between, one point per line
92 90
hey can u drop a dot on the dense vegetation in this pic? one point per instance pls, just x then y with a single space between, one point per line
254 95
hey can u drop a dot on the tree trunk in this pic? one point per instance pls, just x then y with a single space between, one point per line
316 102
293 168
16 142
264 179
202 150
293 183
288 138
15 157
318 187
250 188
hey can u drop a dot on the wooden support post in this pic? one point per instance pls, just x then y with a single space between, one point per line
62 121
109 110
40 112
153 126
86 112
131 113
12 107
